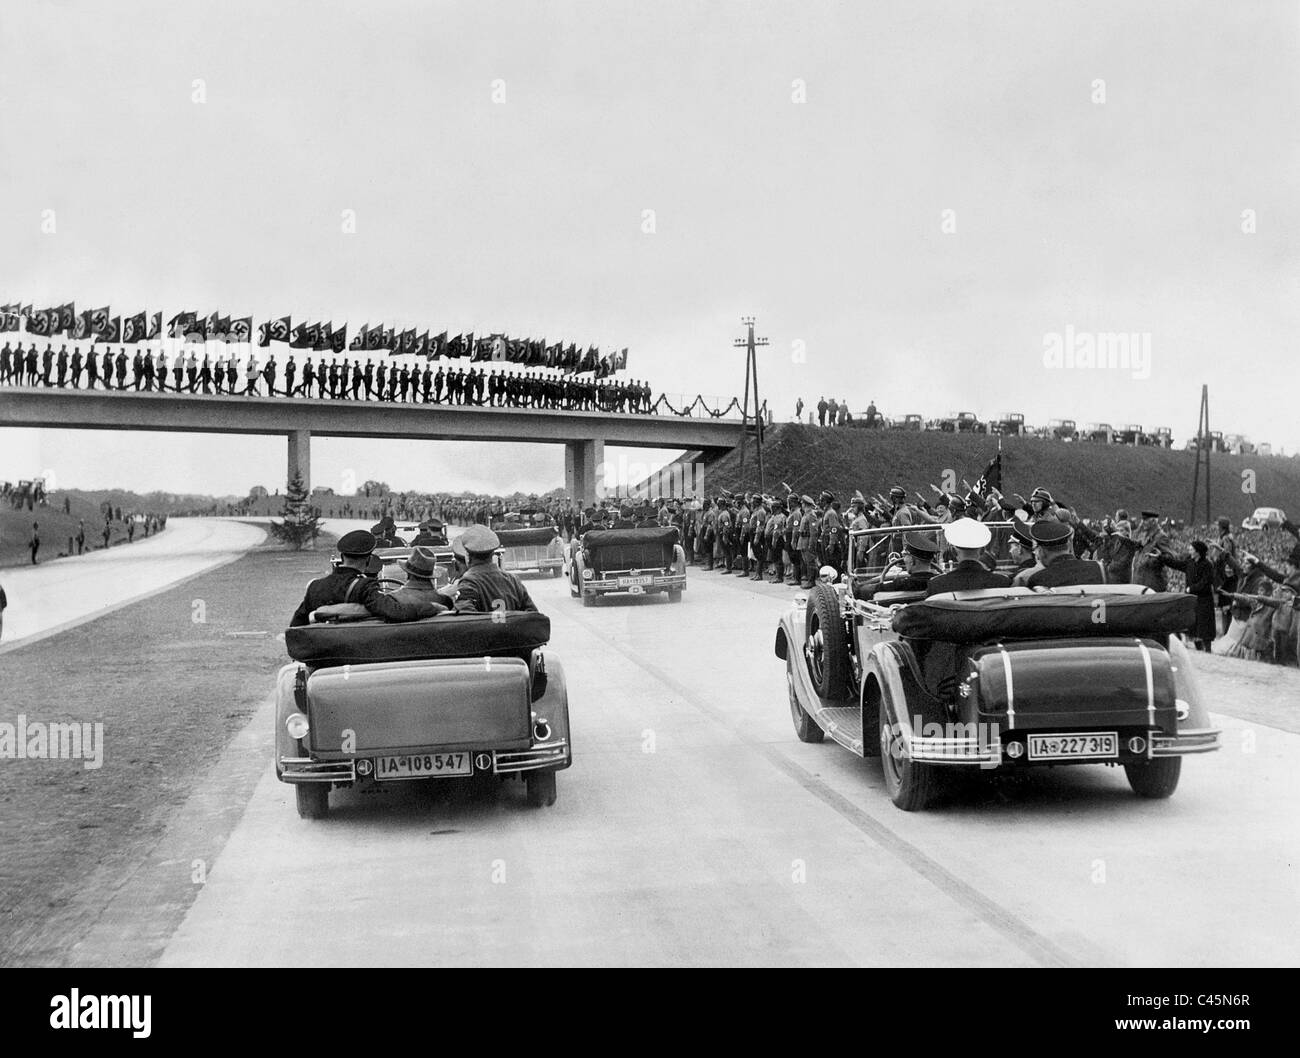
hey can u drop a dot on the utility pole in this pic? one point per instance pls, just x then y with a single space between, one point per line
1203 445
749 343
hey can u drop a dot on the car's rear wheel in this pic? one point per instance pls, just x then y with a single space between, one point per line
1154 778
541 788
313 799
910 786
805 727
674 595
827 643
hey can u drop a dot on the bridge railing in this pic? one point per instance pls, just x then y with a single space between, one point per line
698 406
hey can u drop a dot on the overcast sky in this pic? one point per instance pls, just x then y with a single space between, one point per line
1097 159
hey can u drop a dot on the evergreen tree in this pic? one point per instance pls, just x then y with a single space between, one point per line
300 522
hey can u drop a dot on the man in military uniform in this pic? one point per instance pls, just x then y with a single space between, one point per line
833 534
348 583
722 526
919 554
486 587
793 555
1148 570
1059 566
774 535
704 539
740 532
76 367
758 536
809 529
968 538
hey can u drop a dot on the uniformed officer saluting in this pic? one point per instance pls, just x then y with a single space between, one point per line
485 586
348 583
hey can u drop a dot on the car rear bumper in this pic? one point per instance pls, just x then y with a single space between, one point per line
610 585
555 754
988 748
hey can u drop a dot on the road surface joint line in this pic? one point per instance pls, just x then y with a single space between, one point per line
1024 936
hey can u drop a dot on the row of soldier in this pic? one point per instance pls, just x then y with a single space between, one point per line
347 380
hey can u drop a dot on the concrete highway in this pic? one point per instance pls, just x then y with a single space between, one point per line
693 828
59 593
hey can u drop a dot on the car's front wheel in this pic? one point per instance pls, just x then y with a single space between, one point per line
541 788
1154 778
313 800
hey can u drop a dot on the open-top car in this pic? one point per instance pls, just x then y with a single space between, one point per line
394 576
531 542
633 561
994 679
366 702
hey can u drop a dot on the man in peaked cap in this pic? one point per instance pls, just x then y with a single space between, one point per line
722 525
968 538
919 553
349 583
1059 566
485 586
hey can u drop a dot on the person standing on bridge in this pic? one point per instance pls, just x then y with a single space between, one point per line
205 378
251 375
192 372
61 366
368 378
76 367
178 370
290 373
268 373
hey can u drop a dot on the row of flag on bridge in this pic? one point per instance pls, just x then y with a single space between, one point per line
99 325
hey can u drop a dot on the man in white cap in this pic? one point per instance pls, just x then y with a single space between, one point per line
968 538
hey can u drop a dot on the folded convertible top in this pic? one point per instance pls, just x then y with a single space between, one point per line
999 615
597 538
527 537
445 636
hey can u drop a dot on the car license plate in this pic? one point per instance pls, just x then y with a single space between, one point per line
423 766
1062 747
628 582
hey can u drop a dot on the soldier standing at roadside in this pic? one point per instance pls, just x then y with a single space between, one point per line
722 527
758 536
774 535
810 528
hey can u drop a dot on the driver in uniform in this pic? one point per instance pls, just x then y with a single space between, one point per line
919 552
348 582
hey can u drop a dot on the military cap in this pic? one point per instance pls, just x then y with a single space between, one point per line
479 540
858 497
778 504
356 544
826 497
1051 533
727 493
1041 494
1021 531
431 523
967 533
458 549
956 503
898 493
921 545
808 500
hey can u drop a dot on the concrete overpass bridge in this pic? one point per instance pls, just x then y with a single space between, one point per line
584 434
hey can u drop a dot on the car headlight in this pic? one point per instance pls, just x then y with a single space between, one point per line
587 574
297 726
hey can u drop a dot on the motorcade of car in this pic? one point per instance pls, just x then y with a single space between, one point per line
1098 433
910 421
643 561
1163 437
365 703
393 576
1265 518
531 542
1131 434
1008 424
993 680
1063 430
1238 444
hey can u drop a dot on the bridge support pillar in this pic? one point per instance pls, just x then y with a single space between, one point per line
584 470
300 457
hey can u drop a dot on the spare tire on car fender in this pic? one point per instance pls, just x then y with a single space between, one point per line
827 649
